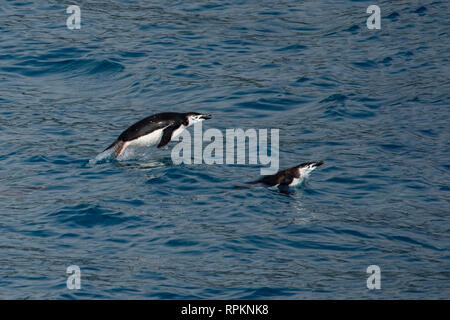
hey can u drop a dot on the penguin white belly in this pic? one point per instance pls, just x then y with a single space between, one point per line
304 172
149 139
296 182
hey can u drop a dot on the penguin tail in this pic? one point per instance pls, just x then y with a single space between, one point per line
259 181
248 185
118 146
111 146
241 187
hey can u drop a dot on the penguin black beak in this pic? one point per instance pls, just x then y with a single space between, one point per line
206 116
318 163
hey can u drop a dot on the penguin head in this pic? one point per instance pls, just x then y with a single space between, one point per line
305 169
194 117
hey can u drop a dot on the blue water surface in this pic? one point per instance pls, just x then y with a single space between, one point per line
373 104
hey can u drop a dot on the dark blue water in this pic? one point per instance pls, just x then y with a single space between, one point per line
374 104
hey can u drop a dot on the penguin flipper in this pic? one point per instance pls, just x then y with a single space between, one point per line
167 135
111 145
287 180
283 187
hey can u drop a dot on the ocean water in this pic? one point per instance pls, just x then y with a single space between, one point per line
373 104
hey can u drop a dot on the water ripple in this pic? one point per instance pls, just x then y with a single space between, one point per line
373 104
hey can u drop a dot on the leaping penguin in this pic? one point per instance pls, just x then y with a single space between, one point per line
289 177
158 129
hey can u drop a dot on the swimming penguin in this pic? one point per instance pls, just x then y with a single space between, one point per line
158 129
289 177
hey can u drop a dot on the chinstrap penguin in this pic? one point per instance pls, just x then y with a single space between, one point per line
289 177
158 129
